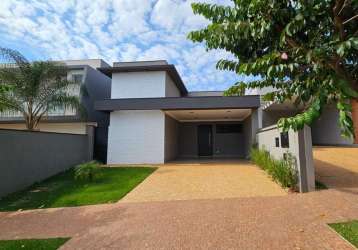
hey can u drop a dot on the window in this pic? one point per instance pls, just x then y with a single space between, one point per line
77 78
277 142
228 128
284 140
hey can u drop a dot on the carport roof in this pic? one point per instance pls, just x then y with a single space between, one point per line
180 103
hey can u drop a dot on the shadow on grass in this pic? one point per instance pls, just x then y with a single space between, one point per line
63 191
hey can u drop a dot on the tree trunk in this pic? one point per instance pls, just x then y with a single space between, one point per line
29 122
354 103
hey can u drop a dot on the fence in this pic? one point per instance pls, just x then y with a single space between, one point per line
29 157
298 144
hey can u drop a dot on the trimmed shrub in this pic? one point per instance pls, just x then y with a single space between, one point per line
87 171
281 171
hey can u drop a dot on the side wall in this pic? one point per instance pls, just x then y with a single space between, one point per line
251 125
326 131
300 147
270 118
224 145
71 127
98 87
29 157
188 140
171 138
136 137
171 89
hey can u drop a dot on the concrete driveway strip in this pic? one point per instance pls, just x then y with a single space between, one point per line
282 222
205 181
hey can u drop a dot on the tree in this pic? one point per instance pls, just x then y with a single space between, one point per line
306 50
34 88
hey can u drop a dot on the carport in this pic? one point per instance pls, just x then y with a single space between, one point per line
208 133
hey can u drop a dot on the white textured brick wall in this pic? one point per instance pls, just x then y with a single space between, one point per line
136 137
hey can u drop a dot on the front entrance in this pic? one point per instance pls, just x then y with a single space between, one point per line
205 140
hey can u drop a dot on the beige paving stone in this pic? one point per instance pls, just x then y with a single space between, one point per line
187 181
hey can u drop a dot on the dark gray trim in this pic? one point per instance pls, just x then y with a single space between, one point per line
170 69
179 103
303 182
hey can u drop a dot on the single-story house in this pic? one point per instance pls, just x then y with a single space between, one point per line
143 113
155 119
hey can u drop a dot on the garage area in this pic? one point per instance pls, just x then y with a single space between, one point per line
215 134
337 167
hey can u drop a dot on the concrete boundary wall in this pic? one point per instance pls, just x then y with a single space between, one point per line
28 157
300 147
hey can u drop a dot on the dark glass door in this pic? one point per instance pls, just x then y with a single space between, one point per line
205 140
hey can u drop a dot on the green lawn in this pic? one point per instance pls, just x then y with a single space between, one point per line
349 230
43 244
63 191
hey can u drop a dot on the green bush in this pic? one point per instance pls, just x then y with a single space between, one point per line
281 171
87 171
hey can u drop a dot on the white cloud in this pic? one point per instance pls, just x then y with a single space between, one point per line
114 30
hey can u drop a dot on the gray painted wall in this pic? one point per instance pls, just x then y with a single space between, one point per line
98 87
171 142
247 126
224 145
29 157
251 126
326 131
188 140
270 118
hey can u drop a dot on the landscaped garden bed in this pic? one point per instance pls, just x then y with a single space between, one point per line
109 185
281 171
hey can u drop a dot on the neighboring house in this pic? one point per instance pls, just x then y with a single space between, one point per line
154 119
98 87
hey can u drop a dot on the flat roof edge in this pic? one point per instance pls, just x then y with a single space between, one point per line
179 103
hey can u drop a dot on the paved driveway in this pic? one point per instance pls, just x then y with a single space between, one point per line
337 167
217 180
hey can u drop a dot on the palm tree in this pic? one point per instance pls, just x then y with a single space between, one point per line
35 88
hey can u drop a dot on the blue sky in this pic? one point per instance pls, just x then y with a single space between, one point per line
114 30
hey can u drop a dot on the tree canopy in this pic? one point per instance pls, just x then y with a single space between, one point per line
307 51
34 88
